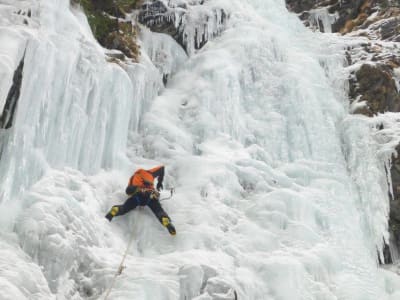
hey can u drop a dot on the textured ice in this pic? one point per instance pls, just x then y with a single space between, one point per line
396 72
280 193
163 52
196 22
321 16
13 40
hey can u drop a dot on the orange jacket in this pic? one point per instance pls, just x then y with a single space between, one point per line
144 179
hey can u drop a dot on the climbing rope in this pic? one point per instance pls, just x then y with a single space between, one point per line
172 191
121 265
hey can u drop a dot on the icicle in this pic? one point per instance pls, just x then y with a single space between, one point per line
321 15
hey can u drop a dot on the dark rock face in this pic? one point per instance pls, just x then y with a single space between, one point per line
123 39
348 10
105 18
345 9
374 84
351 14
159 18
299 6
390 30
171 19
10 106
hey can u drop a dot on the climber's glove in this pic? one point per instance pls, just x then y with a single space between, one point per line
154 195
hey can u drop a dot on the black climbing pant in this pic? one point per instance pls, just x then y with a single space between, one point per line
142 200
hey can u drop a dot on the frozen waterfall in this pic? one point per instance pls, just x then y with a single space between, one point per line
281 194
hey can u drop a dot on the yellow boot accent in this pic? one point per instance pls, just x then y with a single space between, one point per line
114 210
165 221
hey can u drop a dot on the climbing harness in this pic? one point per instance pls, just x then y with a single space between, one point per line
121 265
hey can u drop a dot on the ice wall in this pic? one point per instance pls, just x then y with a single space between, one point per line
74 108
280 194
74 111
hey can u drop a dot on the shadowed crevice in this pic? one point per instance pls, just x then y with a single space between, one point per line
7 117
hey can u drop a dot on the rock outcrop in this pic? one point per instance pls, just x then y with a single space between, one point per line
160 18
374 85
315 12
172 18
107 19
192 25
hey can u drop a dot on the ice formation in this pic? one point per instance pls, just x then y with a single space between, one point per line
321 19
280 192
192 23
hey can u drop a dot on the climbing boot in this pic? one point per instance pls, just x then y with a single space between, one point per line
113 212
171 229
167 223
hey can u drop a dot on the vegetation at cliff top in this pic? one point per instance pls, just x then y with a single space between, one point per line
103 17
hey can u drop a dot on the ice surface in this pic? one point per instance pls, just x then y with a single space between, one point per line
396 72
280 193
12 44
163 52
19 277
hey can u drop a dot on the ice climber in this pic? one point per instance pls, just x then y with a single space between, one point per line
141 193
